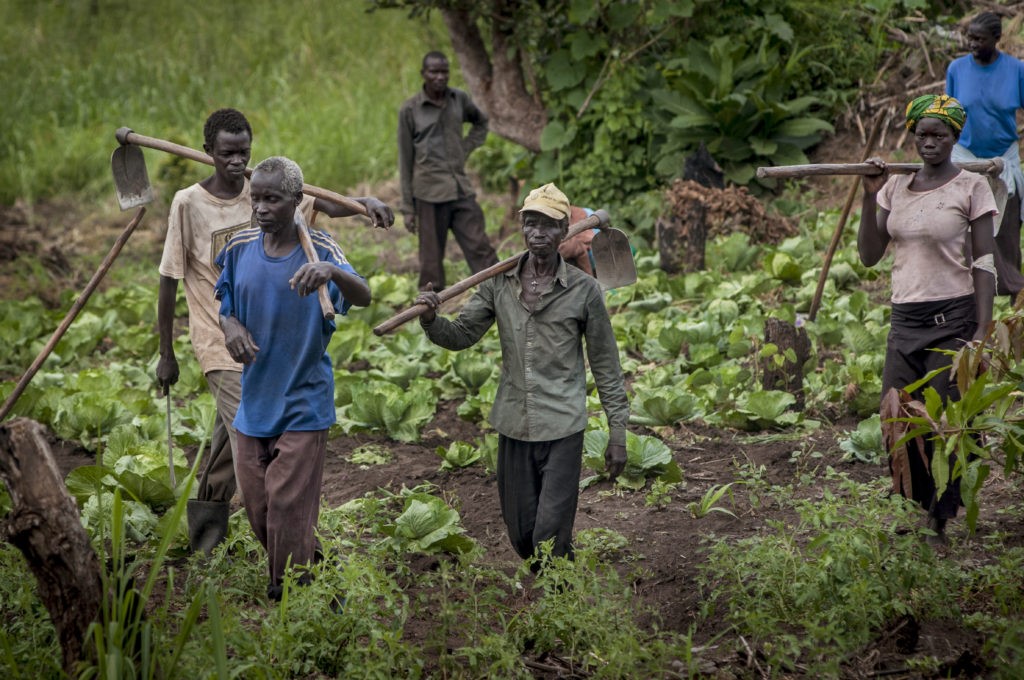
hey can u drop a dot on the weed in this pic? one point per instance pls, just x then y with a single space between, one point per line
706 504
812 593
370 454
660 494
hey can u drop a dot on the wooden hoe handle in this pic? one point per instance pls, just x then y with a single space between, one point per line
598 220
987 167
128 136
326 306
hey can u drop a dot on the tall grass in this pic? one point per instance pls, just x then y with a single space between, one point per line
320 81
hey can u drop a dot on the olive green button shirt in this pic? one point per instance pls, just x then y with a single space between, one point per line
542 394
432 152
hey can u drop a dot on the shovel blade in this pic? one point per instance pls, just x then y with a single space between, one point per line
131 180
613 259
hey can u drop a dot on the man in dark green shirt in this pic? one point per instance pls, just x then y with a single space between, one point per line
544 309
436 193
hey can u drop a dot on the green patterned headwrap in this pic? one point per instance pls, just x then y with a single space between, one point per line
941 106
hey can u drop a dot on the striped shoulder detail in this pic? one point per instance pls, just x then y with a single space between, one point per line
242 237
324 240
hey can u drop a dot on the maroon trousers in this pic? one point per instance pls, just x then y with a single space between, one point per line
466 220
280 478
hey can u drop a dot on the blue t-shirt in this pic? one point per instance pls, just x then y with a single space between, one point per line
290 385
991 96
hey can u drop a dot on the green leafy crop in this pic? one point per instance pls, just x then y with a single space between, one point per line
382 406
427 524
646 458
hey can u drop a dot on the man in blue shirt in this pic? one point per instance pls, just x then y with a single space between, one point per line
274 326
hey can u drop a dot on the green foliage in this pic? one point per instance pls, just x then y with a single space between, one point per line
370 454
78 70
28 642
382 406
815 592
660 494
989 408
477 407
1000 583
706 505
865 443
735 98
458 455
136 473
580 599
646 457
473 369
663 409
124 640
427 524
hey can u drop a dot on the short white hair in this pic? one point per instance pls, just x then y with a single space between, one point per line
291 172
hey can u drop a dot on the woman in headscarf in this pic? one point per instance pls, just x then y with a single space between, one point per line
990 85
939 224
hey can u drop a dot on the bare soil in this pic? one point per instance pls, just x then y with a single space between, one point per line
670 543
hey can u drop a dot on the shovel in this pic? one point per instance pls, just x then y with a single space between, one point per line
613 259
616 264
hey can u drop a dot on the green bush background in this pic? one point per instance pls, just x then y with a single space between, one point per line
320 82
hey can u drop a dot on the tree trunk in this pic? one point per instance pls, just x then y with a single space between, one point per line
789 377
682 237
44 525
496 80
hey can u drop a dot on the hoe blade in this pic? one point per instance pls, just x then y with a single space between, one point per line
130 177
613 259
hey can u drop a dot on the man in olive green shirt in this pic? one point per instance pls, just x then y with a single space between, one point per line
544 309
436 193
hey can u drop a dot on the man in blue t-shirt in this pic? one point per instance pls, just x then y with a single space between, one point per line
274 326
990 86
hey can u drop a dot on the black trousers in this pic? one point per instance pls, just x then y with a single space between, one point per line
466 220
539 487
916 329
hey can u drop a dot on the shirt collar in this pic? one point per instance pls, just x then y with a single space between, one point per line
561 274
422 98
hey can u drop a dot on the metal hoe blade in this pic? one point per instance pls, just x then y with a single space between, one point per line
170 443
613 259
130 177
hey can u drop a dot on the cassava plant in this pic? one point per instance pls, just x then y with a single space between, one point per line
984 427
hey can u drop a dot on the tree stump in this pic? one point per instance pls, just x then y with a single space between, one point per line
682 237
44 525
789 376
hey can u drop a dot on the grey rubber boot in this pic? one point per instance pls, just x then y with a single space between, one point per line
207 524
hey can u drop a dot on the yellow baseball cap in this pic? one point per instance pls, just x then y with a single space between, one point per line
548 200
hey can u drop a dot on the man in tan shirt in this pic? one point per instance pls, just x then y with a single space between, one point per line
202 218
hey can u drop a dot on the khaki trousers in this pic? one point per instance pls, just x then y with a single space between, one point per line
217 481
